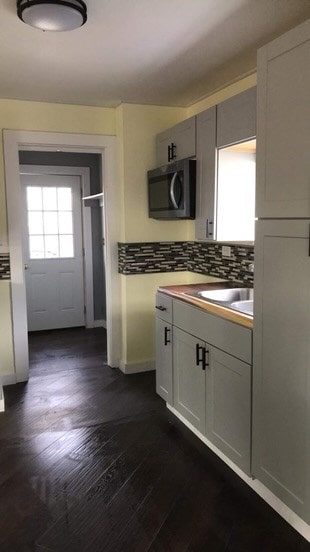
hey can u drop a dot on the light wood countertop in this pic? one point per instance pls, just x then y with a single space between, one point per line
180 292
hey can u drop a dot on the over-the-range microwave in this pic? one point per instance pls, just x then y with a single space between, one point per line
172 190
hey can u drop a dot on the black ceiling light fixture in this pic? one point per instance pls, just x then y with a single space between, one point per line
52 15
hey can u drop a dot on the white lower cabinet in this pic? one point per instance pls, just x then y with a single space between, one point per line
189 379
211 388
163 308
228 406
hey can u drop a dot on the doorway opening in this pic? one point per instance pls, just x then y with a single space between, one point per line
81 278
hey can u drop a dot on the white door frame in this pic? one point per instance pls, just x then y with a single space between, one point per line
84 174
16 140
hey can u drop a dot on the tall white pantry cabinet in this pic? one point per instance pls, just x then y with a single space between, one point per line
281 347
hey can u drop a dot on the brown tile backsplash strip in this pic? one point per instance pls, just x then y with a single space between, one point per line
206 258
202 258
5 273
143 258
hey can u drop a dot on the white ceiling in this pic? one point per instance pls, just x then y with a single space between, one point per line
169 52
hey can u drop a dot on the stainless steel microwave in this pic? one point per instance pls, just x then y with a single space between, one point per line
172 190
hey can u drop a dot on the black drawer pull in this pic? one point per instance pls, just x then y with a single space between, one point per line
160 308
167 331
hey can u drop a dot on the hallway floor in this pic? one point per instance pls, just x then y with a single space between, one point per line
92 461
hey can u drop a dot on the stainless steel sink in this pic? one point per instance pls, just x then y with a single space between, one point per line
243 306
239 299
226 295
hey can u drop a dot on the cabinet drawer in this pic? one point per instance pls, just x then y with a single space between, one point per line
163 307
228 336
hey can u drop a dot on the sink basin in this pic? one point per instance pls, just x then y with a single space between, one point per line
243 306
226 295
239 299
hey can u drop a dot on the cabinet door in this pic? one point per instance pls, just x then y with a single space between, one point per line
236 119
163 141
164 360
281 374
182 136
228 406
188 379
206 175
283 126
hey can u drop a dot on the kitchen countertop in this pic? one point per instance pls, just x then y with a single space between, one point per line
180 291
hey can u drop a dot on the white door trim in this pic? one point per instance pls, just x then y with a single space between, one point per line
15 140
84 173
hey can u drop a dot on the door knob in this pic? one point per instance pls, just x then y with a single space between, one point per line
26 267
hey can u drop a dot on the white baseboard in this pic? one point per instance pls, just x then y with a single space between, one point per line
284 511
137 367
8 379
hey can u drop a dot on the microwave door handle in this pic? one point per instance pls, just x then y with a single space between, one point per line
172 196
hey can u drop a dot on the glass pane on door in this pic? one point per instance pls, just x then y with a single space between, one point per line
50 222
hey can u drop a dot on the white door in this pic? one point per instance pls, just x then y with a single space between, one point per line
53 251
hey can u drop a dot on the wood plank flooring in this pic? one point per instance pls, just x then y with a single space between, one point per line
92 461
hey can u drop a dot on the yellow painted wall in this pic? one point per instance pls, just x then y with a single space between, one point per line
140 125
137 126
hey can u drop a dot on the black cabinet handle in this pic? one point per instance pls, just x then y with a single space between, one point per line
167 331
197 354
203 359
160 308
204 362
198 349
209 228
172 151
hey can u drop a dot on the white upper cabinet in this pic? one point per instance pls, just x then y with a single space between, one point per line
206 174
236 119
226 169
283 129
178 142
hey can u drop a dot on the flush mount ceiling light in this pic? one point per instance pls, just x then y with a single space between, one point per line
52 15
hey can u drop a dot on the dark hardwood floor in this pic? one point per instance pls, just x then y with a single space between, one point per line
91 460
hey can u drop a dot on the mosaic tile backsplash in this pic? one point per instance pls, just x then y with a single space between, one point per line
5 273
142 258
202 258
207 258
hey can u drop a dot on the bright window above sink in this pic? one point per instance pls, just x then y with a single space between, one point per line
236 192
